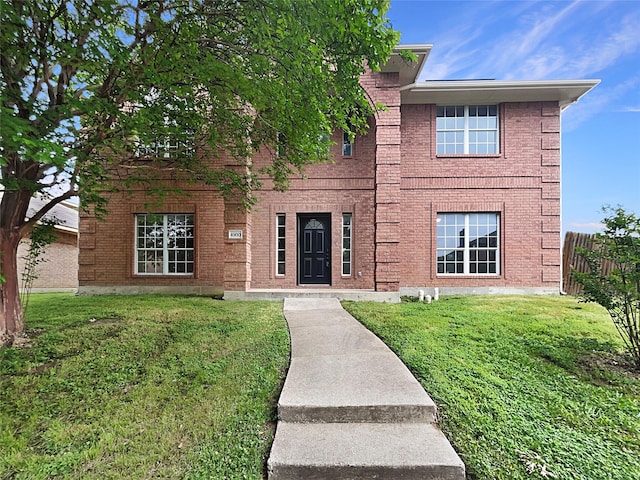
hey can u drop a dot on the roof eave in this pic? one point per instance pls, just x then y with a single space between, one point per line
470 92
408 71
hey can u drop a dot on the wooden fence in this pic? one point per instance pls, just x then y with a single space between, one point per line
571 260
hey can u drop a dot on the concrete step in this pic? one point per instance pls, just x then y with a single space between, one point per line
362 451
350 409
361 387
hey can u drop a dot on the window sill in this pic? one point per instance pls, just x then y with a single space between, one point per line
468 275
468 155
168 275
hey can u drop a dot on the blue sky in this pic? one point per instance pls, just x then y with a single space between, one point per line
551 40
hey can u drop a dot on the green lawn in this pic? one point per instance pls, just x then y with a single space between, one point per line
142 387
527 387
183 387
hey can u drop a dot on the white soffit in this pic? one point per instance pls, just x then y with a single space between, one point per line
409 71
481 92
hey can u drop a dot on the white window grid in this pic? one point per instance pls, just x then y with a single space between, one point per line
347 232
164 244
281 221
468 244
467 130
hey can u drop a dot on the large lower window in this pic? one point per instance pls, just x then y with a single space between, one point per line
467 129
346 244
164 244
468 243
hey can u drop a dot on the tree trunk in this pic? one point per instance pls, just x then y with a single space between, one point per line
11 321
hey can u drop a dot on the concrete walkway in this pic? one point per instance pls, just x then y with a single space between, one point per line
349 408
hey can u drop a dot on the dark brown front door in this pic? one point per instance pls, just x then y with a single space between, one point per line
314 249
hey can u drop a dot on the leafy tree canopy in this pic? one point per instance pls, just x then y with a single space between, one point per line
85 84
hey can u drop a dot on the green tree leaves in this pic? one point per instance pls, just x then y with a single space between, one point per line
85 83
613 279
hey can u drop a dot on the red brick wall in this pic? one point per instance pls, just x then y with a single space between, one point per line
107 246
522 183
394 184
344 186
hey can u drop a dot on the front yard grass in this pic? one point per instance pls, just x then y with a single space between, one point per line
527 387
142 387
184 387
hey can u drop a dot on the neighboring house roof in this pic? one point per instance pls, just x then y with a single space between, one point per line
65 213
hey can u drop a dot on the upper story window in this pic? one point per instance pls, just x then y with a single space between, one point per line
347 144
165 148
470 129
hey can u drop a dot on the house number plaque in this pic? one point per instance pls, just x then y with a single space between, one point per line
235 234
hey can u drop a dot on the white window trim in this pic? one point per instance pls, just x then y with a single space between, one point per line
278 250
165 248
350 249
465 133
466 257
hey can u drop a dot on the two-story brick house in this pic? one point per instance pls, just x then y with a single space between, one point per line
456 185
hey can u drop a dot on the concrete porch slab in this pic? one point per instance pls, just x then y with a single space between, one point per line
328 292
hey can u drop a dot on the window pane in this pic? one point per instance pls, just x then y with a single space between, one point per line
164 236
347 146
280 244
346 243
467 243
481 130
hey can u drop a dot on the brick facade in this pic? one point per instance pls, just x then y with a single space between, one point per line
58 270
394 185
520 183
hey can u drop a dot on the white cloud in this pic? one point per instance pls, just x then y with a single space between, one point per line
620 39
538 41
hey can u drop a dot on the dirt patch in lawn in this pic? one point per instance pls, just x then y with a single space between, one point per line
609 362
